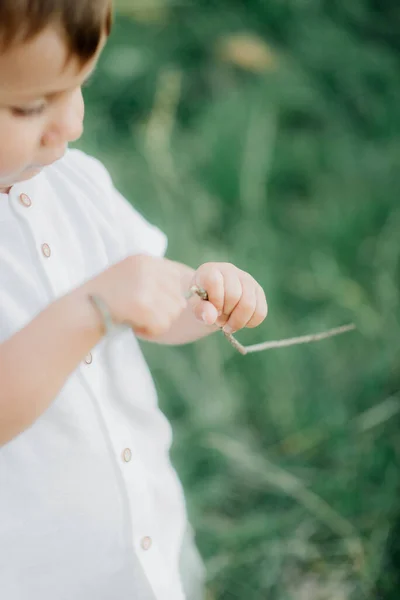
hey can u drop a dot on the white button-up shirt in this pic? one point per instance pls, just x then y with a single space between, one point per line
90 506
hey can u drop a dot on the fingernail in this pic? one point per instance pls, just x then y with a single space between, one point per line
228 329
204 317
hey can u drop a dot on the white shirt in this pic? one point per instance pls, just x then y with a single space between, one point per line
90 506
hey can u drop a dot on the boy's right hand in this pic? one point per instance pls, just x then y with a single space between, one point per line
142 291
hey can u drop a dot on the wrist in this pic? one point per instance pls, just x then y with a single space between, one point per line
86 318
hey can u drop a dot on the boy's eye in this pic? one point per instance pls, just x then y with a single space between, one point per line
29 111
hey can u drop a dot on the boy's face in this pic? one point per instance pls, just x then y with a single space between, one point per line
41 105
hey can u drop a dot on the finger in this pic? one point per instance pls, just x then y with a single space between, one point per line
261 311
174 295
159 321
169 310
210 278
233 291
206 312
246 307
172 286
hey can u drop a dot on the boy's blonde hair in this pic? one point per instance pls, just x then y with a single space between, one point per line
82 22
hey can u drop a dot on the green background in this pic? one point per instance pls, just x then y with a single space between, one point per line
267 134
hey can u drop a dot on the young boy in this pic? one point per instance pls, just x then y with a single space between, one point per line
90 506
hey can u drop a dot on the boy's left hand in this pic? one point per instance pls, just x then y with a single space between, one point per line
235 299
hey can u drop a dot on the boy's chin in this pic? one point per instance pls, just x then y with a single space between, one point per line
30 172
24 176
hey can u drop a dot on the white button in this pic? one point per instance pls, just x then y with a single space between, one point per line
127 455
89 359
25 200
46 250
146 543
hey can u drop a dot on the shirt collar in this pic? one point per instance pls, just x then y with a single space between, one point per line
30 188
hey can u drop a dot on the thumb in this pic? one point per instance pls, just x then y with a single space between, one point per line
206 312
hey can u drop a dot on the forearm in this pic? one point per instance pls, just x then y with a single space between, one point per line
36 362
187 328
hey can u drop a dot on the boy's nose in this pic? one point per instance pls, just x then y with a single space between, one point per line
67 125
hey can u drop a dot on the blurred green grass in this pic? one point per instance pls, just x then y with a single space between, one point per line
266 134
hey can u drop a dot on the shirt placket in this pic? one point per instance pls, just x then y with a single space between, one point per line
31 213
132 473
126 457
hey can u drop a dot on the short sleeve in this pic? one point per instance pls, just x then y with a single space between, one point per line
138 232
140 236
